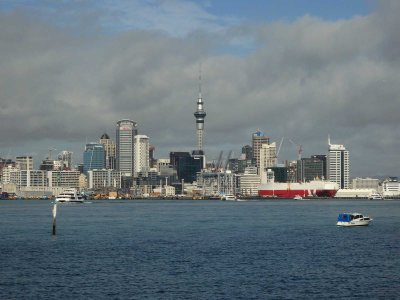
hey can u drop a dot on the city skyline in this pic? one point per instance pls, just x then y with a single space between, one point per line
302 73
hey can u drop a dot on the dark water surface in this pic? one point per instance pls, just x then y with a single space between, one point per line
199 250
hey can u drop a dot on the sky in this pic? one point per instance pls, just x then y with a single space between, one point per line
296 70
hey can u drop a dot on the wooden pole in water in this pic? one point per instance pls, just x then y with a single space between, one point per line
54 218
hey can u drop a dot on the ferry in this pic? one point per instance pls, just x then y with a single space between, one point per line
353 219
70 196
228 197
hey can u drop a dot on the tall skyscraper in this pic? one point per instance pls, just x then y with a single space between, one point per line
126 131
267 156
94 157
258 139
141 155
338 165
109 147
200 114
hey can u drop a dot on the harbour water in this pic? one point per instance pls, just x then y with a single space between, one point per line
199 250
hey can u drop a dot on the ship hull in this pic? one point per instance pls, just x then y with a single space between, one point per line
321 189
294 193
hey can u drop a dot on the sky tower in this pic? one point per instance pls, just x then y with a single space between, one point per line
200 114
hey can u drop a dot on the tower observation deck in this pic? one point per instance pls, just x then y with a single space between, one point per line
200 114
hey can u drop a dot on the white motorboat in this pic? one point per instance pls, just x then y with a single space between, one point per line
297 197
353 219
375 196
228 197
70 196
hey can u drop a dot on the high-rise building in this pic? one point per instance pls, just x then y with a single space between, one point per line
258 139
24 162
141 155
248 152
338 165
94 157
109 147
126 131
200 114
311 168
267 156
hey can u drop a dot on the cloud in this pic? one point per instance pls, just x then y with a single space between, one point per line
302 80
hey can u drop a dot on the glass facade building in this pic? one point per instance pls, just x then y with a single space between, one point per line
94 157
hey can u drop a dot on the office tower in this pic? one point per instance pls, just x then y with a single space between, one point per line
267 156
152 160
94 157
338 165
248 152
24 162
126 130
141 155
257 140
200 114
187 166
109 147
311 168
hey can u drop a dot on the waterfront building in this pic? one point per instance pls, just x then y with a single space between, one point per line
338 165
249 182
258 139
267 156
186 165
94 157
6 173
28 178
64 178
365 183
126 131
24 162
216 183
110 149
311 168
391 187
141 155
106 178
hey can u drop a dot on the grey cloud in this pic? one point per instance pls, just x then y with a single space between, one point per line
302 80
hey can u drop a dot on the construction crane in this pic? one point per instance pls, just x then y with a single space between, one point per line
227 160
218 165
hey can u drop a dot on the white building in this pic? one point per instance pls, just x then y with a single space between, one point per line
365 183
63 178
391 187
141 155
249 182
6 174
216 183
126 130
98 179
338 165
28 178
24 162
267 156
